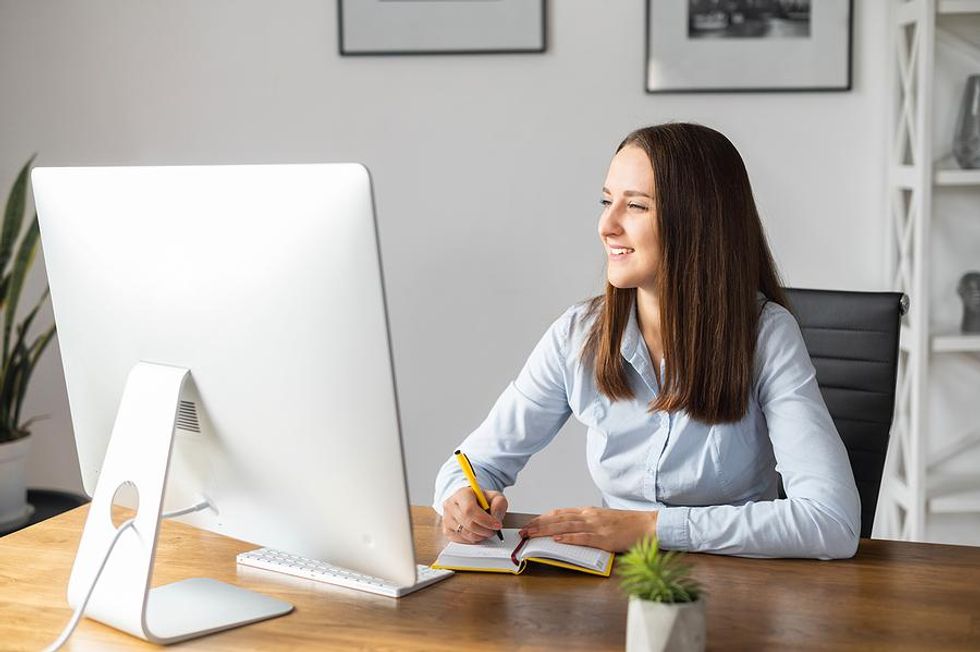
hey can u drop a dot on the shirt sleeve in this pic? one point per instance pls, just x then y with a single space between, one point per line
821 515
528 415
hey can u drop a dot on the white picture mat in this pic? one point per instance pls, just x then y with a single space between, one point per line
376 26
677 62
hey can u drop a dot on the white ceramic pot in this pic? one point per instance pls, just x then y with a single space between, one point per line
14 508
660 627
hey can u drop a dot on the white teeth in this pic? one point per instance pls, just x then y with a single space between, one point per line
620 252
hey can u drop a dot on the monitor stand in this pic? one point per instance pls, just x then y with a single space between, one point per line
139 453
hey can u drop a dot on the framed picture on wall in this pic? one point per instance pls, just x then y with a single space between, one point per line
377 27
748 45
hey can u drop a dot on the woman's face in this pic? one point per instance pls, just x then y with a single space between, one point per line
628 224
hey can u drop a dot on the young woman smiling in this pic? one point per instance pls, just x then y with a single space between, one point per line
690 373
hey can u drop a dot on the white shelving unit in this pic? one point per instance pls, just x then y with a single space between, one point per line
913 485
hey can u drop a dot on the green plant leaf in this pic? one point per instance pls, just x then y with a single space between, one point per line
34 354
22 263
13 216
651 575
24 326
24 356
4 284
14 392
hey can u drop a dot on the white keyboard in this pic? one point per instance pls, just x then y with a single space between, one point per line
269 559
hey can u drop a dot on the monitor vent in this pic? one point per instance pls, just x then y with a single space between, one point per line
187 417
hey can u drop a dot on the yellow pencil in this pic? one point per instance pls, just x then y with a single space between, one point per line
464 464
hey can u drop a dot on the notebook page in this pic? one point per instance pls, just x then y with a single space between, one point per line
492 548
582 555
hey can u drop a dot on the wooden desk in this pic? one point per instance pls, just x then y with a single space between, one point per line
892 595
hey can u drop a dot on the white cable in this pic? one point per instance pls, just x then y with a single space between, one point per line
187 510
77 616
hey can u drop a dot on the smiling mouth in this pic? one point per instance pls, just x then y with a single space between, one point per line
620 252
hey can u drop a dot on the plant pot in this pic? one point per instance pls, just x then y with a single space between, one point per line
661 627
14 508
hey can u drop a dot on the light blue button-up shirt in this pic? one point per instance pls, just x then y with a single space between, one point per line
715 487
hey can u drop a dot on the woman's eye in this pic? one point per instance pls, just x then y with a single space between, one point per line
604 202
640 207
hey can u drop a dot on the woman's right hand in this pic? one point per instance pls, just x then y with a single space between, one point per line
464 521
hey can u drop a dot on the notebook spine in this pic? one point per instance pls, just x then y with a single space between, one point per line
513 555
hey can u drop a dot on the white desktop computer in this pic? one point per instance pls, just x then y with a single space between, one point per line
226 352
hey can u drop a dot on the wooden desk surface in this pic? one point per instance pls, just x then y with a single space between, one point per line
891 596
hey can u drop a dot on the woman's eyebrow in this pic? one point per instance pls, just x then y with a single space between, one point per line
629 193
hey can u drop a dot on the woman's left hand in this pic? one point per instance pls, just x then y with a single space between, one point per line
615 530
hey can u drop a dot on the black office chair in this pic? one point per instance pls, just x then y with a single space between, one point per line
852 338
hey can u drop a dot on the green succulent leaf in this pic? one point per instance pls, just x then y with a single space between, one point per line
4 284
25 325
13 216
22 264
649 574
33 355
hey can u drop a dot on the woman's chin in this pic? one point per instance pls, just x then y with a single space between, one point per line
621 283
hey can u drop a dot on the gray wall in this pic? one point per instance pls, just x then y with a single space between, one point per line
487 172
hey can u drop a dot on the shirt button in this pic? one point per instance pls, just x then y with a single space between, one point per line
599 412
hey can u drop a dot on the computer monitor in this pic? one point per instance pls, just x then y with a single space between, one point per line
265 282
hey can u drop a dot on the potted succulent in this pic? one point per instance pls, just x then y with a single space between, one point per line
18 247
666 609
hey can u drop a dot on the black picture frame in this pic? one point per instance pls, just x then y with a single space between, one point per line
536 36
844 38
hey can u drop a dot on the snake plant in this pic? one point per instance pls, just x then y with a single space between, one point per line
18 248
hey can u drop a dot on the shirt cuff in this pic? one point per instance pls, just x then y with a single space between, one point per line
673 529
453 488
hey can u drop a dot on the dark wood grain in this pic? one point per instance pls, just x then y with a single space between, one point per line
891 596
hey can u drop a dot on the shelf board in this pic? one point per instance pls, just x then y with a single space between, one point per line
940 485
959 6
955 343
964 503
956 177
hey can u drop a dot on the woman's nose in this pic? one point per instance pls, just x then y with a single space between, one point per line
609 222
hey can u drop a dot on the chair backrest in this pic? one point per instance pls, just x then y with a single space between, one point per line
852 339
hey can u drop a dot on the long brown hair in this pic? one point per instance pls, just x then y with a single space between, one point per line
714 259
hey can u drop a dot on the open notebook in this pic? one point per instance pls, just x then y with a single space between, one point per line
512 554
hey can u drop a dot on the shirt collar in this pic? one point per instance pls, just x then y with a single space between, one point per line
634 349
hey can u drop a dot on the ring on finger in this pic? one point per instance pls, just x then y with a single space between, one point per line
459 528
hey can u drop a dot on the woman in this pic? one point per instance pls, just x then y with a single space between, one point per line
690 373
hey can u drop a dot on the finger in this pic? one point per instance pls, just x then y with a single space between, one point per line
468 511
563 511
498 506
460 517
560 527
581 539
473 514
478 530
554 514
463 537
457 529
564 516
545 520
469 536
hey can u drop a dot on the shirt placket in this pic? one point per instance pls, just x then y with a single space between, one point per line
660 439
640 360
